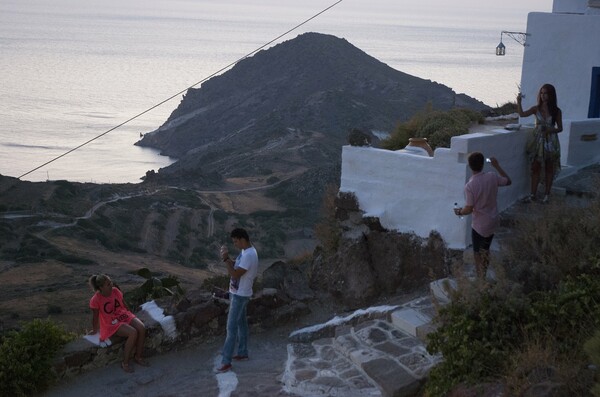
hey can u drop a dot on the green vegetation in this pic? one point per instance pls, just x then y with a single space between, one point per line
152 288
65 190
435 125
538 315
507 108
33 249
272 179
26 357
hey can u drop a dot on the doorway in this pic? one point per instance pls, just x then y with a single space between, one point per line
594 111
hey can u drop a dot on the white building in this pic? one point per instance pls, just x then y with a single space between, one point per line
563 49
415 193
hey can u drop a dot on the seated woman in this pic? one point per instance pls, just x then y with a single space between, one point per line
111 316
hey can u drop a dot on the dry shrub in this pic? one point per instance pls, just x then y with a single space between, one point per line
328 229
529 326
301 259
541 363
552 242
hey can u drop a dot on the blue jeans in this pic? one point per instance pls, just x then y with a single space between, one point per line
237 328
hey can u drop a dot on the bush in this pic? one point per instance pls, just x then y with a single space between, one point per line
152 288
568 313
26 357
437 126
550 246
272 179
551 269
65 189
507 108
497 331
478 331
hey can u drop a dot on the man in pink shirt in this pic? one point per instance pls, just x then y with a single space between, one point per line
481 192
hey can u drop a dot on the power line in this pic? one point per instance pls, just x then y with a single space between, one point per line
184 90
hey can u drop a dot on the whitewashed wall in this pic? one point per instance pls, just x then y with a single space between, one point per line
561 50
413 193
580 143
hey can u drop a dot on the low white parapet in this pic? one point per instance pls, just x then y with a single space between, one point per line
412 193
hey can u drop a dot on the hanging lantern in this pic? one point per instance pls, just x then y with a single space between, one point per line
501 49
519 37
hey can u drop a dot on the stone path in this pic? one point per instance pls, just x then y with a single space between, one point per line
380 352
386 356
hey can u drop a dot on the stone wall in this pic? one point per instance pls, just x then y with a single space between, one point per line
371 261
197 317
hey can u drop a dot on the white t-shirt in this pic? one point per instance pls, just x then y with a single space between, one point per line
247 259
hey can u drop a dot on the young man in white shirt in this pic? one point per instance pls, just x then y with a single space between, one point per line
242 272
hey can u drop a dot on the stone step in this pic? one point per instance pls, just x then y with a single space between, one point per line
441 289
371 358
318 369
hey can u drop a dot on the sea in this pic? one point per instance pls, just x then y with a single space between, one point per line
71 70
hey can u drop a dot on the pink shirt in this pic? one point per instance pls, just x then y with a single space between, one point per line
481 192
112 312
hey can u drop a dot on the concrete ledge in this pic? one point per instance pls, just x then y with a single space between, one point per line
442 288
409 320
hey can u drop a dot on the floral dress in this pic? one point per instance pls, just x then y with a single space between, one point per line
541 148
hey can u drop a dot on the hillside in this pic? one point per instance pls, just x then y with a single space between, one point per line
257 145
290 108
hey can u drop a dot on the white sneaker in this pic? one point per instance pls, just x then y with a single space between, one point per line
546 199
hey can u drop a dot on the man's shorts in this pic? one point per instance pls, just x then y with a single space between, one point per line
480 242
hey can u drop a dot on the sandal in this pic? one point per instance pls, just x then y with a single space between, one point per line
529 199
142 362
126 367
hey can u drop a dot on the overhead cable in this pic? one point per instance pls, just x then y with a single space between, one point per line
184 90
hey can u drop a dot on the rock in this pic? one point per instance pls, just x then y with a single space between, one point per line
371 261
290 279
295 285
272 277
290 312
197 316
269 297
358 138
347 201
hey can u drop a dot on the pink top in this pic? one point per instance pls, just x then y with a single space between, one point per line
112 312
481 192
